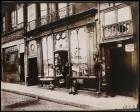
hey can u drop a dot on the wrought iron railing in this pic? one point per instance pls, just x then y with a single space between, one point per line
54 16
118 29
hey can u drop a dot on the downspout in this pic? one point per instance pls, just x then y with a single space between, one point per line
98 41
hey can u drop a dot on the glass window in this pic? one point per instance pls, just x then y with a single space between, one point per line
50 55
20 15
61 41
10 60
3 24
47 45
62 10
124 14
83 51
78 48
43 8
110 18
13 16
31 12
51 8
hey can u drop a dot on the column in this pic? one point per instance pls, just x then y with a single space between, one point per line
39 57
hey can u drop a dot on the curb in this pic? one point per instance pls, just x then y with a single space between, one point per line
50 99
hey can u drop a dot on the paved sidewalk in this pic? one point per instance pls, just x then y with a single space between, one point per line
79 100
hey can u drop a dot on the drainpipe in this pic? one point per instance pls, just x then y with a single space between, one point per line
98 41
25 45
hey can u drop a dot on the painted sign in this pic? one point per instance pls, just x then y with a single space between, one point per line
129 47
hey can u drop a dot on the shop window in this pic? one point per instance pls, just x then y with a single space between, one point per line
47 45
10 62
61 41
79 52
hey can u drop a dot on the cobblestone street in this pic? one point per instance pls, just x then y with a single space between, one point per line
8 98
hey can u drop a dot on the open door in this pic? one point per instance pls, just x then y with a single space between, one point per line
33 72
61 66
122 77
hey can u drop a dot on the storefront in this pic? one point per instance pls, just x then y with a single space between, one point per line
13 63
70 53
120 64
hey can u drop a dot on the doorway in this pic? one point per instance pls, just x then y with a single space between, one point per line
121 76
22 75
33 72
61 67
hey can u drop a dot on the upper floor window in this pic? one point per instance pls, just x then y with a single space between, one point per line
43 8
3 24
14 18
110 17
124 14
111 4
31 12
119 15
51 7
62 10
20 14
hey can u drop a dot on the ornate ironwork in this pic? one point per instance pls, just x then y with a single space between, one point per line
118 29
54 16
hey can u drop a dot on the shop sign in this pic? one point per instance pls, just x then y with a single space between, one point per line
119 45
129 47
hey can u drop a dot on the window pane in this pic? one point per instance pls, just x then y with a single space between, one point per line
20 15
13 16
61 42
83 51
62 9
74 53
43 7
50 55
31 12
110 18
3 23
124 14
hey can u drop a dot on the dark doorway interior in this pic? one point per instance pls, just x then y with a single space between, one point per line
22 75
61 67
33 72
122 77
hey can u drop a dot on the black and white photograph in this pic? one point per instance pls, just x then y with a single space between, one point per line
69 55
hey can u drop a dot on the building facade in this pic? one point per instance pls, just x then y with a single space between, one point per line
60 41
12 44
118 47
